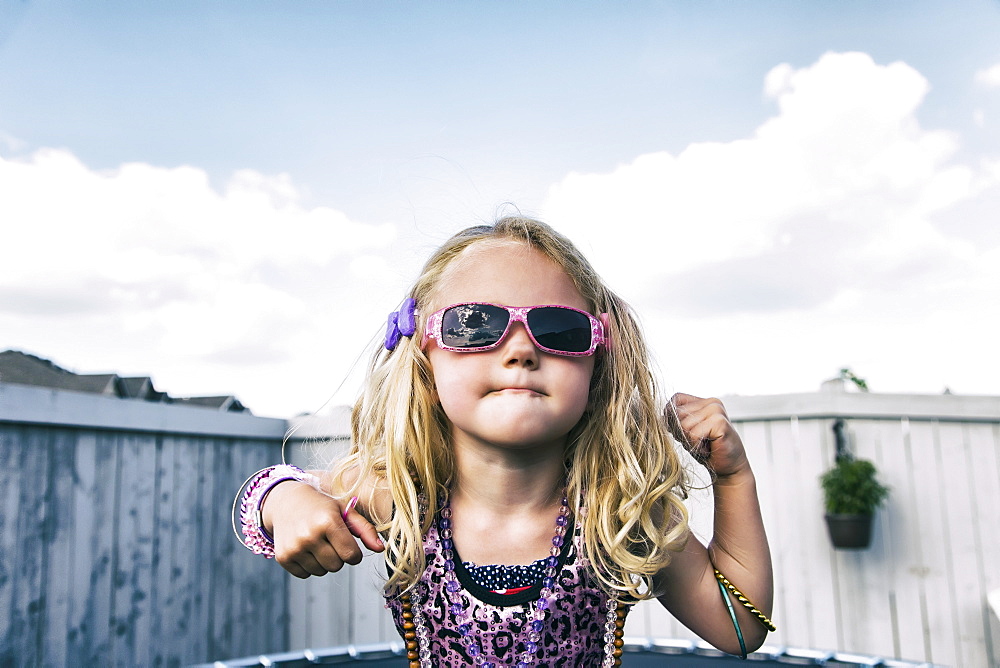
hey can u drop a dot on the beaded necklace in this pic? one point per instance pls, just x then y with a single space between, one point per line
417 635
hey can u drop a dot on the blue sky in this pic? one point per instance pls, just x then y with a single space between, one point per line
206 192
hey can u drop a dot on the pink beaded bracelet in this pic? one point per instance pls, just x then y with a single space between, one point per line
255 490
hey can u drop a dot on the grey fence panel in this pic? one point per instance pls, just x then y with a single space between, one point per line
59 572
115 544
10 456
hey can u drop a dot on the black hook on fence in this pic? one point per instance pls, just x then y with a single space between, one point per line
840 437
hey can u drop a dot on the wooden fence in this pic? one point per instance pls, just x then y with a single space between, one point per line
115 543
918 593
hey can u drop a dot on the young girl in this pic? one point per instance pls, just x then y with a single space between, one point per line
511 459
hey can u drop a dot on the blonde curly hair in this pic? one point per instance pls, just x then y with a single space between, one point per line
621 462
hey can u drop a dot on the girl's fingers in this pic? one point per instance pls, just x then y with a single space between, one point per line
333 557
362 528
679 399
319 534
697 423
297 559
350 506
671 413
308 564
344 547
697 416
296 570
684 419
701 450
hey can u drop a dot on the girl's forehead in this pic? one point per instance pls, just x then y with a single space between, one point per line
510 273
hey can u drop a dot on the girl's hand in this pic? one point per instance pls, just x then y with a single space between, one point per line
312 533
703 427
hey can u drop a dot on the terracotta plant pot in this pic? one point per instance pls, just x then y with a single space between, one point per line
849 532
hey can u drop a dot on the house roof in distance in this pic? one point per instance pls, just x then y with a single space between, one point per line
22 368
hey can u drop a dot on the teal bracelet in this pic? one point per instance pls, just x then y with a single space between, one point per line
744 601
732 615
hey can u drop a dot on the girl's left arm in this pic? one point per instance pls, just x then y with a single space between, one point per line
738 548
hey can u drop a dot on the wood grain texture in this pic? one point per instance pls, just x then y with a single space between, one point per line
117 550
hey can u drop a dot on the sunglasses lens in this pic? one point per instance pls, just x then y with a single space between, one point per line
560 329
473 325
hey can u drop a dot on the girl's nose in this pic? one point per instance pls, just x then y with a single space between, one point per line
517 348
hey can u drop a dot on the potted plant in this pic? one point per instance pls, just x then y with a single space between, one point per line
852 493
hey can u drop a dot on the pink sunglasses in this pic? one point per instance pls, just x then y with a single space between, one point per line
477 327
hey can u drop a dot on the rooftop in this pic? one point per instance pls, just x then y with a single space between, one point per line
22 368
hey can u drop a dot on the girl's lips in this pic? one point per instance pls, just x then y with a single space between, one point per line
517 390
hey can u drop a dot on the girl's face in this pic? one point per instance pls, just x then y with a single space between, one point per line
514 396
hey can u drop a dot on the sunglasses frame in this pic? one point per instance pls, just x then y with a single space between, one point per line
435 323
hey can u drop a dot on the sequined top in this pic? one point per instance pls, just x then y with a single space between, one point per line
574 629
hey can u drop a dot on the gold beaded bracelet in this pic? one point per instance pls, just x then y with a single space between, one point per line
745 601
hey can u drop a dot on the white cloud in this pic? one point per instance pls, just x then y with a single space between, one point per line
143 268
840 220
841 180
989 77
141 222
841 232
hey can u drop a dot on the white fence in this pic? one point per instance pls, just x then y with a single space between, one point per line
918 593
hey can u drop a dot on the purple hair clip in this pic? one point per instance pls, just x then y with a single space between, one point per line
401 323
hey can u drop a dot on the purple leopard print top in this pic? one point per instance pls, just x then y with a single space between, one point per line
574 626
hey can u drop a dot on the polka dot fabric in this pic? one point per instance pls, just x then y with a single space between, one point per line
500 578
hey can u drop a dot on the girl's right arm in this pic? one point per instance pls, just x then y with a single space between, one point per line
316 534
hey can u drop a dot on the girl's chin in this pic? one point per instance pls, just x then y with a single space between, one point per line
521 436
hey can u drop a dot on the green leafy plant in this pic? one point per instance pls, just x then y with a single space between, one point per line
850 376
851 487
